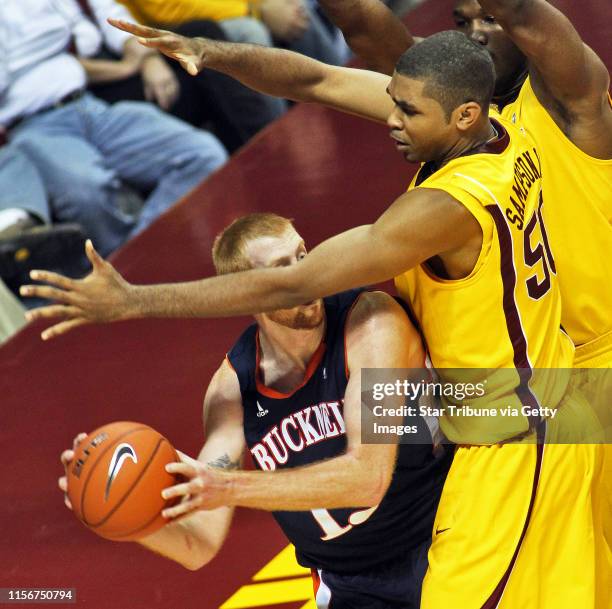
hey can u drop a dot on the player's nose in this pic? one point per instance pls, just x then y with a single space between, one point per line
477 35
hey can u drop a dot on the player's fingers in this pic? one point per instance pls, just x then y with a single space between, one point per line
92 255
185 469
63 483
53 278
178 490
187 459
135 28
47 292
78 439
63 311
66 457
62 328
182 508
67 502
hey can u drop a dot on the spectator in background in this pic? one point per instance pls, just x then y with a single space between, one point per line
90 155
293 24
27 237
234 112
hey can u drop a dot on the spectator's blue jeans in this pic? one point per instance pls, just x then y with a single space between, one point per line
86 149
21 186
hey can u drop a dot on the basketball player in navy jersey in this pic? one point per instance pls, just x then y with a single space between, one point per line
289 392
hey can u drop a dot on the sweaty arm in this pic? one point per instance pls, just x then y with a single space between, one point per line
275 72
564 71
378 335
371 29
420 224
194 540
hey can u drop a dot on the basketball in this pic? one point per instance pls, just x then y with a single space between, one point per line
116 478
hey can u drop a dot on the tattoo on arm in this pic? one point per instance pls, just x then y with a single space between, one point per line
224 462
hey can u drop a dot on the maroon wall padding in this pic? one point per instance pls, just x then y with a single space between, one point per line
328 171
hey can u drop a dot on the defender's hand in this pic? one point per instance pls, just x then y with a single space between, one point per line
205 489
103 296
189 52
66 458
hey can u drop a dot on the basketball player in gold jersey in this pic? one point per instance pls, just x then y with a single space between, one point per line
456 244
548 81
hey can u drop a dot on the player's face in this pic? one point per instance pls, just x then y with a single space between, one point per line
418 123
482 28
287 249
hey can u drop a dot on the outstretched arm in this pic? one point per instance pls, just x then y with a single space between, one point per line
275 71
378 335
371 29
563 69
419 225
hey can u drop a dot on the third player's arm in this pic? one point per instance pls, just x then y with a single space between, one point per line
371 29
194 540
275 72
561 65
378 335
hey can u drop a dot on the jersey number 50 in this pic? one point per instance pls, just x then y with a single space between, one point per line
540 253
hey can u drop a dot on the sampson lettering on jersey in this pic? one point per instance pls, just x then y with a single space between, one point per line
308 425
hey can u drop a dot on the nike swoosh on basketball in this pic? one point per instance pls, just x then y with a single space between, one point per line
122 452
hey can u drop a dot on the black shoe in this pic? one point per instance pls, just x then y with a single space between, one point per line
57 247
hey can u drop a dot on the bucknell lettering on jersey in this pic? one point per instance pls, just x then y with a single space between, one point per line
298 431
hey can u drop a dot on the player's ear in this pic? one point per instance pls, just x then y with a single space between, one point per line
466 115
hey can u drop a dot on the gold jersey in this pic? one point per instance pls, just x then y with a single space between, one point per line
577 192
505 316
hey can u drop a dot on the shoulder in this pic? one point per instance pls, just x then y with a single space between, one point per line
224 385
377 326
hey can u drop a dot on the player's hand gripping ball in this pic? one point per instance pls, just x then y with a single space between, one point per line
116 478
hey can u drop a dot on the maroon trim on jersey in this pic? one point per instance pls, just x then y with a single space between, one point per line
313 364
512 315
493 601
499 144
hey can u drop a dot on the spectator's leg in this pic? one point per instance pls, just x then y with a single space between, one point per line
21 186
236 112
12 314
154 151
27 239
81 185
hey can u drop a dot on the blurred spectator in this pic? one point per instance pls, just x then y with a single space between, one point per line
12 314
293 24
234 112
27 237
89 154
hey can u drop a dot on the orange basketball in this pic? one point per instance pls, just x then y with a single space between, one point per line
116 478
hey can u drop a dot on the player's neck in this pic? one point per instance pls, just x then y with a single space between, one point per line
470 142
287 347
507 93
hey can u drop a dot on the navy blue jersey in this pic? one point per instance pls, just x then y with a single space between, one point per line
307 425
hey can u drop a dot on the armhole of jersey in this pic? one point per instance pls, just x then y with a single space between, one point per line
476 207
229 362
346 322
